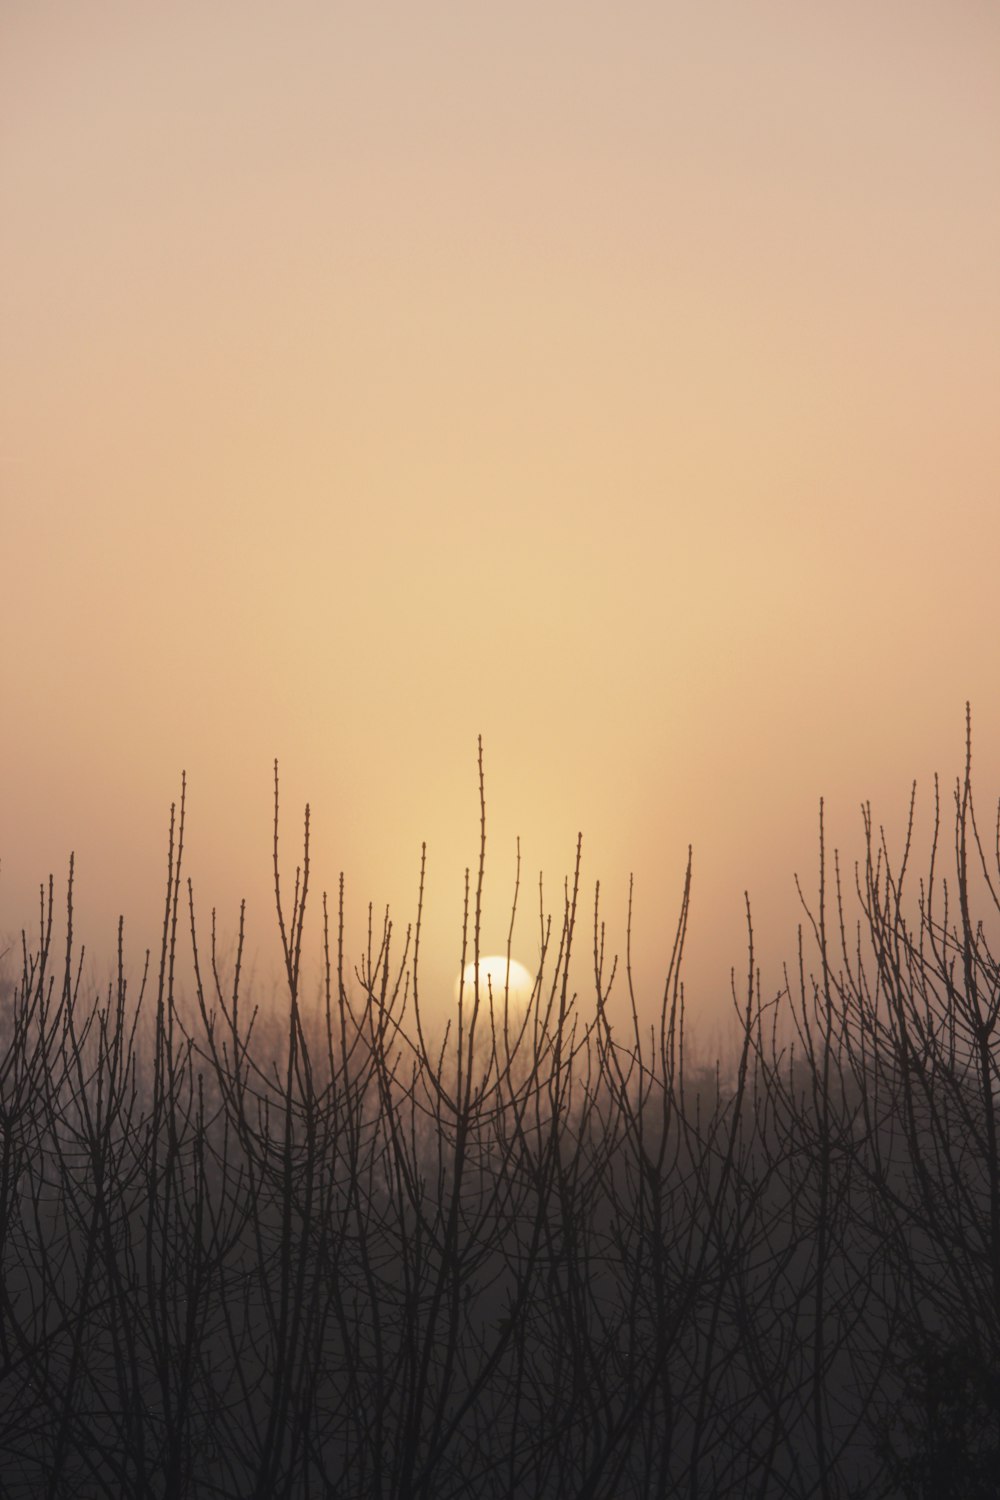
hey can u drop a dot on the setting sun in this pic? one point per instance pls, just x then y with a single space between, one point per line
495 980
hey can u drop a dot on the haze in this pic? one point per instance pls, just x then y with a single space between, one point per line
617 382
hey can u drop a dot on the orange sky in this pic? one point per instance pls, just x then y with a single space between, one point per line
620 382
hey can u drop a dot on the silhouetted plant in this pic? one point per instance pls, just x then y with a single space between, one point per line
544 1256
952 1427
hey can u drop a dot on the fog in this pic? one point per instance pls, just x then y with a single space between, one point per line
621 388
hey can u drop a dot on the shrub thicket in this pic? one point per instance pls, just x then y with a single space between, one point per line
548 1258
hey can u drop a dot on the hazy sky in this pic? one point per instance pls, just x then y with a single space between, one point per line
620 382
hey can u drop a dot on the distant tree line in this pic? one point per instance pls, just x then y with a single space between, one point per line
546 1257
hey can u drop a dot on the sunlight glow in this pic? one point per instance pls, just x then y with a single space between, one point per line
493 977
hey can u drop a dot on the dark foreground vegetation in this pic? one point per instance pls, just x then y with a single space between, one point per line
546 1258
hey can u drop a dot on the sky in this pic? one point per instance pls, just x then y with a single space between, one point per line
618 383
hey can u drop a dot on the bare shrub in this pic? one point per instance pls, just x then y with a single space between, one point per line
548 1256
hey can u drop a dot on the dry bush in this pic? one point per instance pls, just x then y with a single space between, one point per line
549 1257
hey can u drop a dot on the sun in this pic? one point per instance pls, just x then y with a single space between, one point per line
493 976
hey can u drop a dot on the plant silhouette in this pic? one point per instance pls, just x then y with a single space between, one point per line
546 1257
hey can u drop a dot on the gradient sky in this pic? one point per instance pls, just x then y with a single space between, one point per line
620 382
